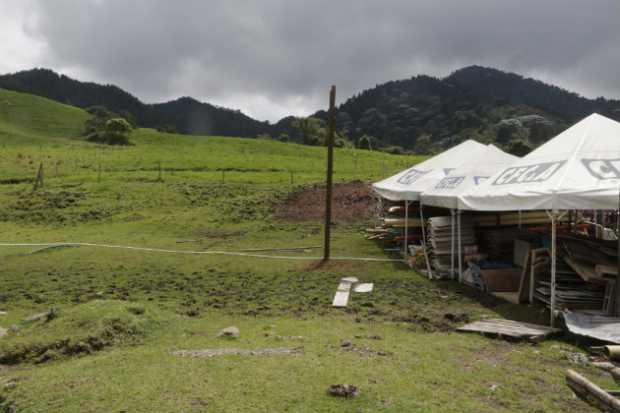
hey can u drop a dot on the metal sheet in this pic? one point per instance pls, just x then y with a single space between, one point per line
592 325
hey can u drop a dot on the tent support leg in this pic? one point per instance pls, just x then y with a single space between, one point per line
554 216
460 247
428 262
520 219
553 264
452 242
406 234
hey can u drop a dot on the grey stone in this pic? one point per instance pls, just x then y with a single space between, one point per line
3 332
229 332
46 316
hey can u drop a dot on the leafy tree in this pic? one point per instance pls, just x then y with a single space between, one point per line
366 142
341 141
518 147
311 130
423 145
283 137
114 132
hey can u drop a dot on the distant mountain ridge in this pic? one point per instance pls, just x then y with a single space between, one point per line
422 113
185 114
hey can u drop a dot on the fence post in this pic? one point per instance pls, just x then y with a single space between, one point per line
38 182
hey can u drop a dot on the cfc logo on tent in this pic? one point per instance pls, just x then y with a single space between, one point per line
411 176
603 168
450 182
528 173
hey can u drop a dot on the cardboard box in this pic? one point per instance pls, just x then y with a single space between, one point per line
502 279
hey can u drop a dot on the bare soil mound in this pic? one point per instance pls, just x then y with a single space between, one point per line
352 202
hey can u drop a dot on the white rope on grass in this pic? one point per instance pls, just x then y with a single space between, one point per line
172 251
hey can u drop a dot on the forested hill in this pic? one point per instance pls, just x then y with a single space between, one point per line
184 115
474 102
422 113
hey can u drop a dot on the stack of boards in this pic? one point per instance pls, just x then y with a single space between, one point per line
498 244
513 218
395 217
439 232
392 225
572 292
584 278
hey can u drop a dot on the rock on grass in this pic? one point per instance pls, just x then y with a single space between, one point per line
229 332
343 390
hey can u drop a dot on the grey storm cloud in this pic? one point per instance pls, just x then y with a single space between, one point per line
271 58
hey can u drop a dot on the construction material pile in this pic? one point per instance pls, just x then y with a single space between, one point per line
439 245
391 225
585 275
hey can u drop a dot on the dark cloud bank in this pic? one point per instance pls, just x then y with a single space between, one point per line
276 57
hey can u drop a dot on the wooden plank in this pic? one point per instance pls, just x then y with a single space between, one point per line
508 328
587 273
341 298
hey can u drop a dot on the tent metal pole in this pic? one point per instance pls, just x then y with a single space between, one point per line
460 248
428 262
553 264
406 235
452 243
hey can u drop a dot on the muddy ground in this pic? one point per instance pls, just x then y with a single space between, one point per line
352 202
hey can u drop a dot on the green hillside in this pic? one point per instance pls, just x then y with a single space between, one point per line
120 314
28 116
35 129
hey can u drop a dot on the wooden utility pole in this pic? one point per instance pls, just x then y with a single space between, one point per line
330 170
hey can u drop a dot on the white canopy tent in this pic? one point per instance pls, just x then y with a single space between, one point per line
578 169
410 183
446 192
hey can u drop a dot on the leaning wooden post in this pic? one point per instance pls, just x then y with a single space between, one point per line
330 171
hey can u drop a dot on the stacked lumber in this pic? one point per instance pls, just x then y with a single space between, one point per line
513 218
498 243
440 241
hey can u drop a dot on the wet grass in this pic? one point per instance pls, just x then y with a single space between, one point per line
120 314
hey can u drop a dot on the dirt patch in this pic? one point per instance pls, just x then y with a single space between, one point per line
352 202
216 352
495 354
430 321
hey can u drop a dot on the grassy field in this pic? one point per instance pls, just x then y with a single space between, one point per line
118 315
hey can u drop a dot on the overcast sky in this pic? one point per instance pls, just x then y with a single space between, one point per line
271 58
